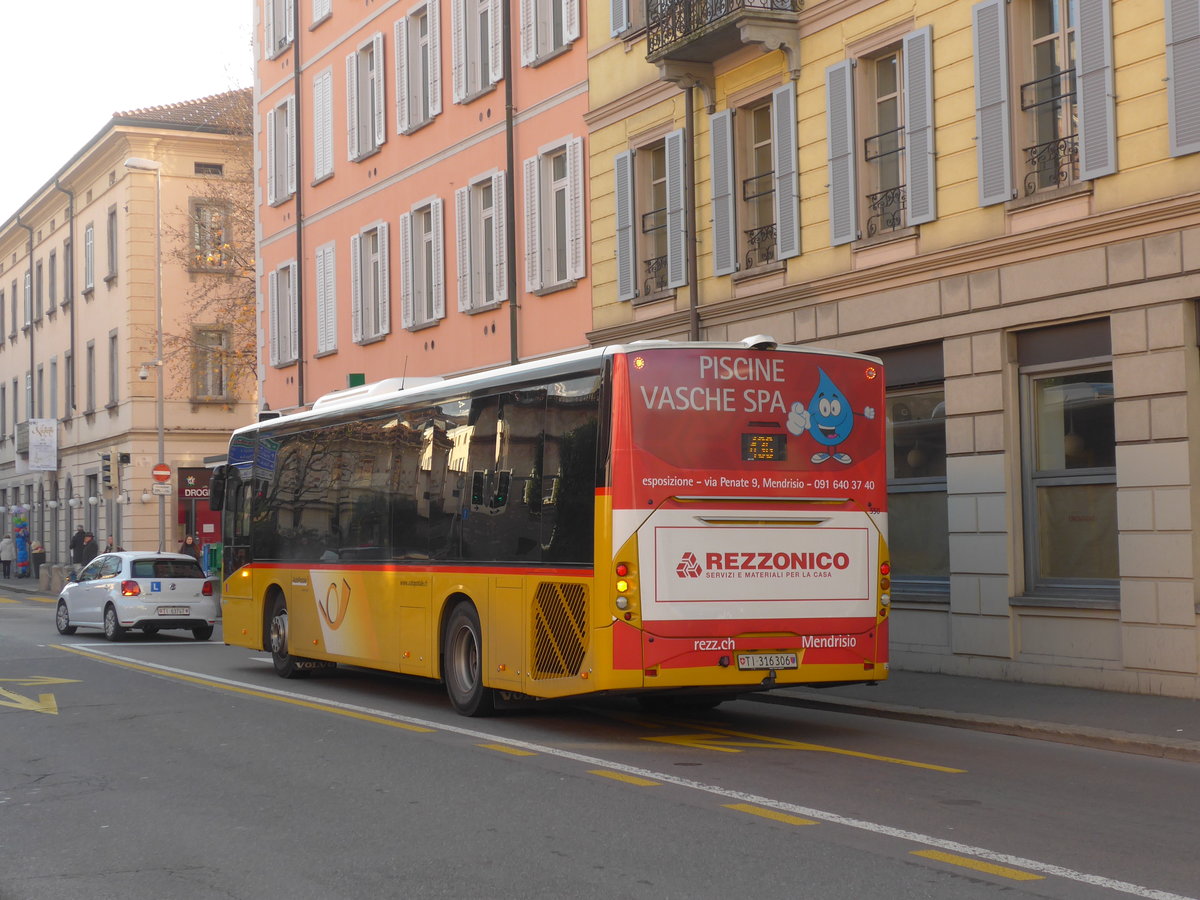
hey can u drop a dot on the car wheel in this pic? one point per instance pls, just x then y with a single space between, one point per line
462 664
62 619
285 664
202 632
112 628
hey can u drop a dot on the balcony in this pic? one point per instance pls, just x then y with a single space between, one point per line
701 31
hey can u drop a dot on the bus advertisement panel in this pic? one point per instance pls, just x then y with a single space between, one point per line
751 488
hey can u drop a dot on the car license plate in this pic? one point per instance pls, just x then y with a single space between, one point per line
767 661
174 611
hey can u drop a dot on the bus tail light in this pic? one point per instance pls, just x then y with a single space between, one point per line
130 589
625 588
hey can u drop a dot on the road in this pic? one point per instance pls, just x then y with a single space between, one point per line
164 767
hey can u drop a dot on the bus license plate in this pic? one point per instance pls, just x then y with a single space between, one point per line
767 661
174 611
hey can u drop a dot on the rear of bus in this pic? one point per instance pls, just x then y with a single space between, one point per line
748 518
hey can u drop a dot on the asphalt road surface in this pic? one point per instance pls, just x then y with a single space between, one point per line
168 768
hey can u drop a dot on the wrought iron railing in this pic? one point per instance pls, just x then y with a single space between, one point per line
885 210
760 246
656 276
670 21
1052 164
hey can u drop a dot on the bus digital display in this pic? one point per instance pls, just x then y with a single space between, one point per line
763 447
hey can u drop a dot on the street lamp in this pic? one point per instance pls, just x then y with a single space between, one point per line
150 165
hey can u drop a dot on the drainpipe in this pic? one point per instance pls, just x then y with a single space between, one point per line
689 176
298 287
29 410
69 286
510 188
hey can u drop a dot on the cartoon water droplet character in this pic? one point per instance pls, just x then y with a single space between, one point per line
829 419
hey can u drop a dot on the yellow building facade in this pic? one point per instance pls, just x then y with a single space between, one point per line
1001 201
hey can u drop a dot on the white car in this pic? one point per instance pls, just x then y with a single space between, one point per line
138 589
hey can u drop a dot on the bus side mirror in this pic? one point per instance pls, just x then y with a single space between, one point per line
216 489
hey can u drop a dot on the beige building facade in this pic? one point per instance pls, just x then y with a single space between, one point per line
80 366
1002 201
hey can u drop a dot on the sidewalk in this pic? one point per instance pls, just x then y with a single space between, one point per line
1167 727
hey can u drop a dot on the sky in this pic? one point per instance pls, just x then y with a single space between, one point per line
67 65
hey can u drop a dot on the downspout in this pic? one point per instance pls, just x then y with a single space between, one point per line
69 286
510 188
29 309
689 176
298 287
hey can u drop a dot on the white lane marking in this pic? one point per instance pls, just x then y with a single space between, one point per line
903 834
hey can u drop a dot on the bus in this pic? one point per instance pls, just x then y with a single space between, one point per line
683 521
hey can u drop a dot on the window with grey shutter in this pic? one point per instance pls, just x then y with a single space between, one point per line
352 105
677 228
787 179
843 191
918 127
993 131
724 237
1183 75
626 249
618 16
462 245
356 292
1094 77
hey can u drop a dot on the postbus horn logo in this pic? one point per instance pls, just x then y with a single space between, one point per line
689 566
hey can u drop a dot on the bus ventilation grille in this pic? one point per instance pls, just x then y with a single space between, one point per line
559 630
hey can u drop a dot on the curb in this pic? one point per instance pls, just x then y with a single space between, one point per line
1079 735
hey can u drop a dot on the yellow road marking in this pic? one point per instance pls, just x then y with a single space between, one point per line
46 599
7 600
45 703
770 814
726 741
511 751
621 776
37 680
249 692
967 863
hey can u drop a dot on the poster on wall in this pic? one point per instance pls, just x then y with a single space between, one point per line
43 445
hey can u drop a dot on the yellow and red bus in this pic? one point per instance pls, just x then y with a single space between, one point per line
685 521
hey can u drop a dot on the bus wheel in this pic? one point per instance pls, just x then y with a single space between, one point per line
285 663
462 664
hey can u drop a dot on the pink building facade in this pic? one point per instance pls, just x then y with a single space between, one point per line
419 213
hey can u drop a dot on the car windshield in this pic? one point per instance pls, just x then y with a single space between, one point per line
167 568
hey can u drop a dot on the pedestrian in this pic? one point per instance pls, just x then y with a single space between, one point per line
8 552
109 545
89 549
37 556
77 545
190 547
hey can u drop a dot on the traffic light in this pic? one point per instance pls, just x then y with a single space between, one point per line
106 480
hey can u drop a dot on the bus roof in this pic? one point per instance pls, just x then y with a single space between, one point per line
384 394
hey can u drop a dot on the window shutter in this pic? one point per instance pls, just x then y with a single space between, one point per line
290 137
321 8
352 105
273 312
356 293
528 31
322 134
380 90
439 260
843 190
724 236
322 302
271 196
293 312
533 231
993 140
498 9
626 249
459 58
289 12
618 16
384 296
500 235
406 271
576 211
435 57
1183 76
919 163
678 228
787 179
400 39
570 18
462 255
1094 80
269 31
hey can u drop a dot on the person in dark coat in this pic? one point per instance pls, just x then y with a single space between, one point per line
77 545
190 547
90 548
